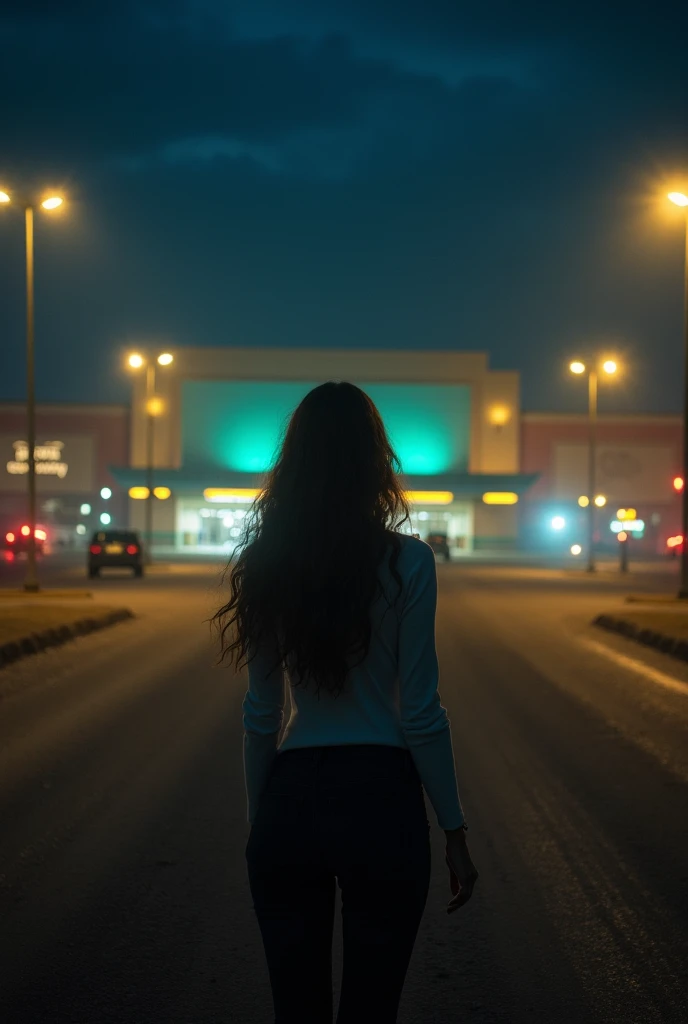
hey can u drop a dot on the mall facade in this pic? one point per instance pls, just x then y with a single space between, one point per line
76 444
480 470
453 421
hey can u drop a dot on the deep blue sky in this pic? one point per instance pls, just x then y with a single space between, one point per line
435 174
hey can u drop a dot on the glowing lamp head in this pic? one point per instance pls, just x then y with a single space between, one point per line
678 198
155 406
4 197
135 361
165 358
577 367
678 483
499 415
609 366
52 202
558 523
576 549
584 501
600 501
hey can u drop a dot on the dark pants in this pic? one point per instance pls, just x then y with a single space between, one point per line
355 815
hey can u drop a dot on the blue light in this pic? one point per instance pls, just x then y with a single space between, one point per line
558 523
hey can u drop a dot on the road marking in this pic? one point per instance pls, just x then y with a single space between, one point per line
639 667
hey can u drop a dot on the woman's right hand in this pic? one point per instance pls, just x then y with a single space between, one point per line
462 871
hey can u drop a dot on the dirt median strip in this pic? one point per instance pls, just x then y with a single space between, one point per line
18 639
665 633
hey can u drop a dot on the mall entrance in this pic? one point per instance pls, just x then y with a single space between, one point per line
455 520
205 527
210 527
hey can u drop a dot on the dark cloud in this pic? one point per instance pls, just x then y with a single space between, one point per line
353 172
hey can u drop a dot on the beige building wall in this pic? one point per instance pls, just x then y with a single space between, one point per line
495 396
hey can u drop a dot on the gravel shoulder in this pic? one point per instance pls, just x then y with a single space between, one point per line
29 628
664 628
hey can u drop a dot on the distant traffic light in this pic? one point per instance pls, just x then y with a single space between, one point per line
678 484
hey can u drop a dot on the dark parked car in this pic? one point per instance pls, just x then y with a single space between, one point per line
439 544
115 548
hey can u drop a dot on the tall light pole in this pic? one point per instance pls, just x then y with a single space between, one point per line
153 407
51 202
594 500
680 199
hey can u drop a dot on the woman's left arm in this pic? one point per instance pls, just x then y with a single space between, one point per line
263 713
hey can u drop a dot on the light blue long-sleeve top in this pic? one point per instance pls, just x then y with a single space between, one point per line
391 698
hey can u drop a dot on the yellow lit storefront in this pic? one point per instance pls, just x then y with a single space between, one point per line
453 422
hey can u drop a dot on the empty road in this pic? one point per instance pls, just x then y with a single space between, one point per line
123 896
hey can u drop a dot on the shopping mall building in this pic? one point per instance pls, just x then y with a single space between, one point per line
477 468
453 422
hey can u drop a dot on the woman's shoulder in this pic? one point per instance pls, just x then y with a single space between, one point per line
412 550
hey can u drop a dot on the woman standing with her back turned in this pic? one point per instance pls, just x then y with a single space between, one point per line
327 591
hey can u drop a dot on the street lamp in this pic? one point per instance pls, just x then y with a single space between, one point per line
609 367
154 407
49 202
681 200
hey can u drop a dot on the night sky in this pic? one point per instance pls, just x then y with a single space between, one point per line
434 175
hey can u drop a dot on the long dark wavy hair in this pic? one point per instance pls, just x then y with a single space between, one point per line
305 573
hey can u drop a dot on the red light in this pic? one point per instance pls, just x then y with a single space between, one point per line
41 535
675 542
9 537
678 483
96 549
623 536
25 531
132 549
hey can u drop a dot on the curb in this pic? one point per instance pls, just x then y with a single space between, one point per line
649 637
57 635
39 595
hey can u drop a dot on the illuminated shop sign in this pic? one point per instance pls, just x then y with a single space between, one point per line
48 458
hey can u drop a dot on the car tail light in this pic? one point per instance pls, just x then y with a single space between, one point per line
25 531
41 535
132 549
9 537
95 549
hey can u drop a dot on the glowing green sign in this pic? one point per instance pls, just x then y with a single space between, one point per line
237 425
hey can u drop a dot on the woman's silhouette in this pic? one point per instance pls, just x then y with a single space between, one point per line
326 593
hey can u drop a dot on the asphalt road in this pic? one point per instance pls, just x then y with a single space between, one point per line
123 895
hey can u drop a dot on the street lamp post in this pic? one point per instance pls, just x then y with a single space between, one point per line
31 581
679 199
150 455
594 501
592 457
49 203
135 362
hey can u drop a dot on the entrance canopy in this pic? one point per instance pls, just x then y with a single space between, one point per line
195 480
